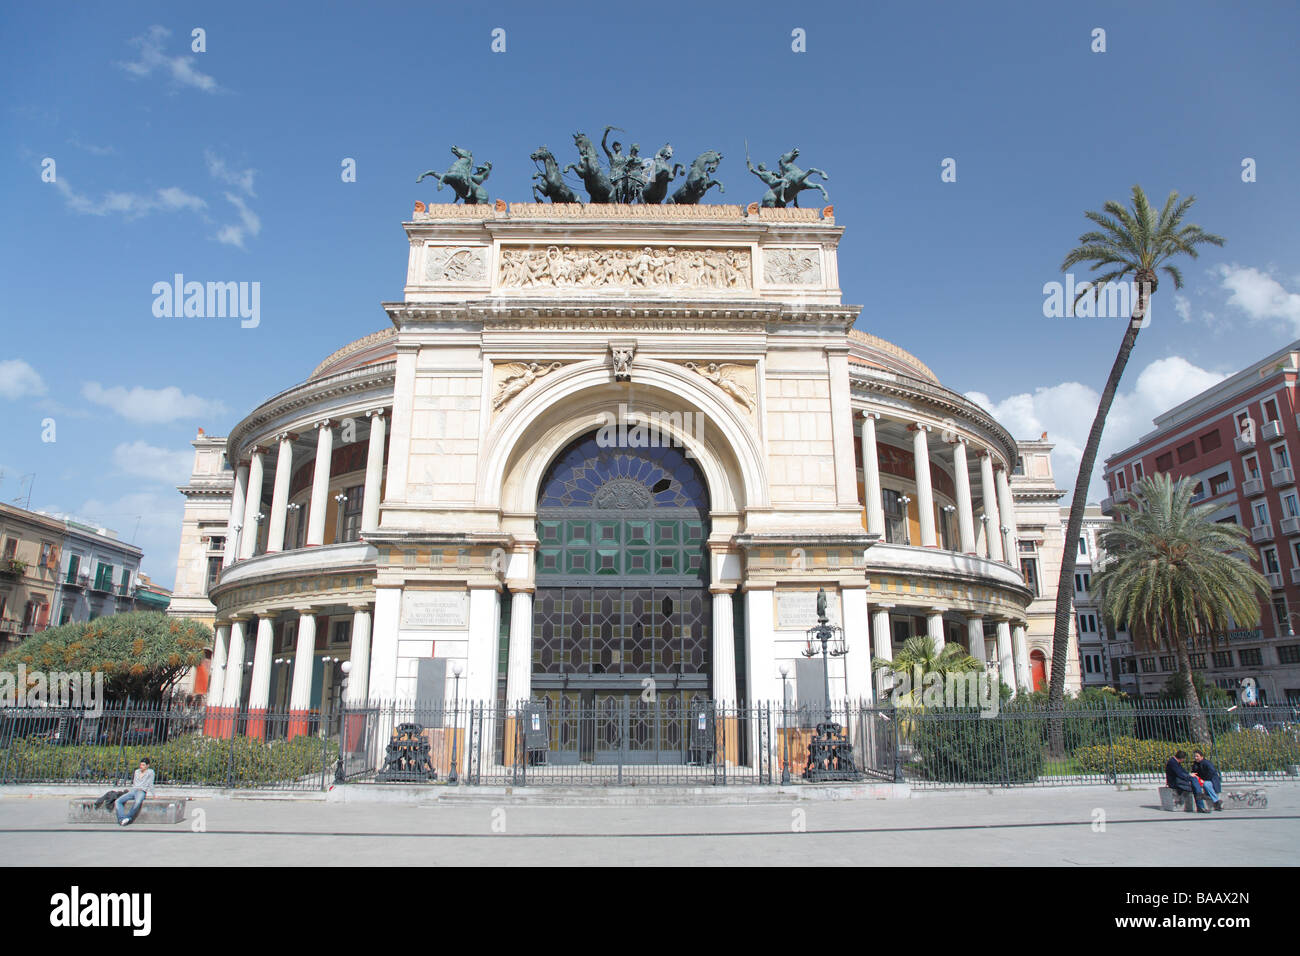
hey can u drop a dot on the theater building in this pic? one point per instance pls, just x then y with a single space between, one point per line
602 447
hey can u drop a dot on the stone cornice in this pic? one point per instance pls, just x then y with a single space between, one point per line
621 311
304 396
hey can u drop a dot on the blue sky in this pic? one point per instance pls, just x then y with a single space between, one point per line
225 165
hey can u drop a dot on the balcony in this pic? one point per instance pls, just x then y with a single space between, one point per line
1274 580
1291 525
76 581
1270 430
1252 487
1243 443
1262 532
1281 477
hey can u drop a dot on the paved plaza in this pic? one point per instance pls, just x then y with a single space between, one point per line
1083 826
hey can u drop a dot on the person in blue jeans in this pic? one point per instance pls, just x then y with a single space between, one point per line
141 787
1179 780
1210 777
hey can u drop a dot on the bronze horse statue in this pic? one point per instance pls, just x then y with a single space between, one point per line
465 179
785 185
698 180
662 172
594 178
553 186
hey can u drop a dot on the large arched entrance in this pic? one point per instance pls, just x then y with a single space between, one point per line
622 613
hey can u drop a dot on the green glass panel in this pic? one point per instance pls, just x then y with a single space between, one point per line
637 561
637 533
667 532
579 532
606 561
667 561
577 561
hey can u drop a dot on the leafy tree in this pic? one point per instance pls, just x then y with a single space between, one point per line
141 654
1137 242
1174 577
920 657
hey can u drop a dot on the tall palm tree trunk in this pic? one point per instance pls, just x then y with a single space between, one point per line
1079 502
1200 726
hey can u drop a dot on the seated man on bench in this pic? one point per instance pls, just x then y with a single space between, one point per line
1179 781
141 787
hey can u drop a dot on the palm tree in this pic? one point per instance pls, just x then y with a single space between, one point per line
1173 577
1135 241
920 656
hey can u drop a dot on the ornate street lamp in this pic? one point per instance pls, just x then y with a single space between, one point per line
830 756
452 778
785 723
339 775
907 521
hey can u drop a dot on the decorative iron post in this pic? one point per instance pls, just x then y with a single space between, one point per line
830 755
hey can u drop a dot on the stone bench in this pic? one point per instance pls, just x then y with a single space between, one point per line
153 810
1172 799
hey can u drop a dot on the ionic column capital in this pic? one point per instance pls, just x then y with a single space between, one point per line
376 412
287 436
958 439
868 413
919 427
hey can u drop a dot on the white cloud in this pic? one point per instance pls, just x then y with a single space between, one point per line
240 179
92 148
143 460
179 68
152 405
1259 295
19 380
249 224
1065 412
129 205
1183 306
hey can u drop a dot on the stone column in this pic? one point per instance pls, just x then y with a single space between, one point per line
303 660
760 652
975 637
1006 663
1024 673
1007 507
882 633
374 471
320 485
934 627
383 644
234 523
846 470
234 680
924 490
992 532
484 642
965 510
280 497
216 679
359 678
724 646
857 642
871 475
252 502
259 693
519 664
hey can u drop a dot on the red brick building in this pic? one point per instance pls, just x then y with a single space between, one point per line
1237 442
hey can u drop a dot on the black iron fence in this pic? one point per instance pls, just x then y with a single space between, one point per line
628 741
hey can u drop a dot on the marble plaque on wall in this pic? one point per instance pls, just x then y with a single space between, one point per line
433 609
797 610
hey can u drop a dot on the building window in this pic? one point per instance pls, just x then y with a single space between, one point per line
104 577
1219 483
1250 657
1270 410
1270 561
1261 513
214 572
1029 571
1186 452
895 519
1290 506
1020 466
1279 612
1083 546
74 565
1082 582
1198 661
1148 665
11 548
217 544
1281 458
1288 654
1167 664
1137 471
350 529
1087 624
341 632
1211 440
1252 468
1164 462
1222 658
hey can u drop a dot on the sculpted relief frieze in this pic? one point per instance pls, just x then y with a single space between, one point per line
626 267
455 264
737 382
792 267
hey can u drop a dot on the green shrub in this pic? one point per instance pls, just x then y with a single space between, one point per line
193 760
1244 750
955 746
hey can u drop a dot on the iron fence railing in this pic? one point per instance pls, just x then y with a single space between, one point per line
629 741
